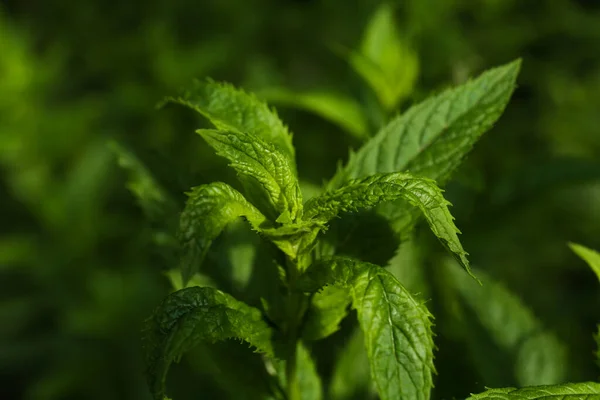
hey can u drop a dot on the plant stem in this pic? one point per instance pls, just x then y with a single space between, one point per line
296 307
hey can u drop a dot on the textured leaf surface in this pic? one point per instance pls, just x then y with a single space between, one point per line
327 310
267 176
366 193
539 357
431 138
208 210
590 256
337 108
384 61
234 110
570 391
192 316
397 328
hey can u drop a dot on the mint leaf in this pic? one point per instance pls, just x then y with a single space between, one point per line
309 382
208 210
335 107
351 378
192 316
385 61
590 256
268 177
234 110
431 138
366 193
327 310
569 391
397 328
150 196
538 355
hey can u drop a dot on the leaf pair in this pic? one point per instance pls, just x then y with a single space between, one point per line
397 328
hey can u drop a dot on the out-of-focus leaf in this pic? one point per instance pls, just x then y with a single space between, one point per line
397 328
337 108
196 315
537 179
538 356
327 309
150 196
351 379
199 280
591 257
385 61
569 391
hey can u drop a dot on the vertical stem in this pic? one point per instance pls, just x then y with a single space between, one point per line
296 305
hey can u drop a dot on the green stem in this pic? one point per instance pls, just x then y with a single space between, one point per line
296 308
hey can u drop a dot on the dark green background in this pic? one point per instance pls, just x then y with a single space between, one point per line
78 269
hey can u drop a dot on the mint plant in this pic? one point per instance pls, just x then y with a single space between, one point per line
307 289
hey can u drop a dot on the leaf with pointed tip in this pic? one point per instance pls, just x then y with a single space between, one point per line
231 109
338 108
385 61
591 257
196 315
538 356
327 310
397 328
569 391
431 138
369 192
267 175
208 210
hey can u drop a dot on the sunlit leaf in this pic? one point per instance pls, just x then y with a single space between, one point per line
232 109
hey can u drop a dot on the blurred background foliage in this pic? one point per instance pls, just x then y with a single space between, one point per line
81 264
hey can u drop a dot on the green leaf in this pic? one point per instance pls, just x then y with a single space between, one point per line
335 107
208 210
431 138
268 176
539 357
590 256
309 386
569 391
397 328
351 378
327 310
234 110
385 61
200 280
196 315
366 193
150 196
309 382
